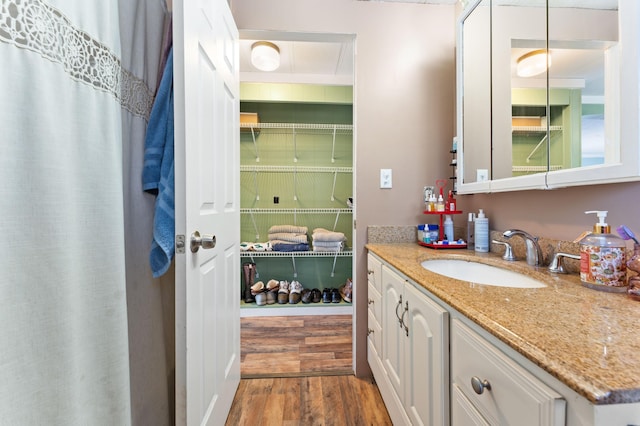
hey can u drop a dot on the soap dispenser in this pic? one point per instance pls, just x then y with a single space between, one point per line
603 264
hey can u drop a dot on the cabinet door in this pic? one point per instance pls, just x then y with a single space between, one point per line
426 359
393 336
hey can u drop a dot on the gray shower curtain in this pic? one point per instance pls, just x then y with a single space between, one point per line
84 337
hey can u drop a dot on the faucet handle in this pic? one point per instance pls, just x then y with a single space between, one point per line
508 251
556 266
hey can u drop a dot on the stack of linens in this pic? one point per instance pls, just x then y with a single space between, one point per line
288 238
324 240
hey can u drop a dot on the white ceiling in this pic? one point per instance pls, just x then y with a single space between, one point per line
302 61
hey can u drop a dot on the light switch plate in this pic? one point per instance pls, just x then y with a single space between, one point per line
385 178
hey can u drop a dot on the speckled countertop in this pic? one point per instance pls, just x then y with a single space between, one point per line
585 338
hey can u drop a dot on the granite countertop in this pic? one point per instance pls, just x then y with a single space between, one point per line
585 338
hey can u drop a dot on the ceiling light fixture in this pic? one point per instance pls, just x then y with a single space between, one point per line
533 63
265 56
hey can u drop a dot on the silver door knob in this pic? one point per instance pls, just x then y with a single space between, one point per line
206 241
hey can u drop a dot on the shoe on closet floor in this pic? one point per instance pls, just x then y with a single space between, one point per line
347 290
272 285
326 295
306 296
295 292
257 288
261 299
316 295
335 296
272 297
283 292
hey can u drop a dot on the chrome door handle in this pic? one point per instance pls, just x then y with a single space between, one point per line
206 241
398 316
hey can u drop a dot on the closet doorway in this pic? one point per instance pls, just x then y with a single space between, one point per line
297 187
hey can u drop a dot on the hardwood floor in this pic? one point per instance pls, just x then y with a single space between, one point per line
316 401
296 346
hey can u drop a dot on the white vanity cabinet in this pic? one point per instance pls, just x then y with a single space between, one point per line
413 375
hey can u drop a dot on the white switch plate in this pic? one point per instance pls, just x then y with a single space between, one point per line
385 178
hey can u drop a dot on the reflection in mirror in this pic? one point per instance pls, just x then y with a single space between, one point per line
562 115
476 74
583 40
519 102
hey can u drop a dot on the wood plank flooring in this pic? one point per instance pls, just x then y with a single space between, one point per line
296 346
315 401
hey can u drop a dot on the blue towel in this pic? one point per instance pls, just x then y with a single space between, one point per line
290 247
157 172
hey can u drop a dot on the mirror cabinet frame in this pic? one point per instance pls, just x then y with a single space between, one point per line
627 109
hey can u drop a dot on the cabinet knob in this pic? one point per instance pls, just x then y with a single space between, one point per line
369 271
370 302
369 331
479 385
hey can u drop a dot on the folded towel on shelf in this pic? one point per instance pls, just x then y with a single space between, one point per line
246 246
290 229
327 249
330 244
288 237
321 234
283 246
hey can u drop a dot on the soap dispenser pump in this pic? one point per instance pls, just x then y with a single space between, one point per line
603 264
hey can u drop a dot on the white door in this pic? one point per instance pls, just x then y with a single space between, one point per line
206 90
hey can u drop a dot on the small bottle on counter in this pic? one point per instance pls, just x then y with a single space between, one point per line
451 203
448 228
440 204
481 232
470 231
432 203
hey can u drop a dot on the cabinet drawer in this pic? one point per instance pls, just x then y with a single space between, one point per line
374 334
374 301
374 272
515 395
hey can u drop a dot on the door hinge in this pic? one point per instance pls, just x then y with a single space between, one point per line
180 247
354 224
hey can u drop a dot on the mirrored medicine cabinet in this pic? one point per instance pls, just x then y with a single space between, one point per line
548 94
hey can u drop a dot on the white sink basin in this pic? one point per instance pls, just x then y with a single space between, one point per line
480 273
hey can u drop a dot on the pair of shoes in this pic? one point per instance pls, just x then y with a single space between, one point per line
283 292
295 292
331 295
346 290
316 296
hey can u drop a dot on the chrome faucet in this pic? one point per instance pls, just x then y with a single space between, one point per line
534 252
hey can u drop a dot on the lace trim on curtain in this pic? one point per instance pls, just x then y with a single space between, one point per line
33 25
